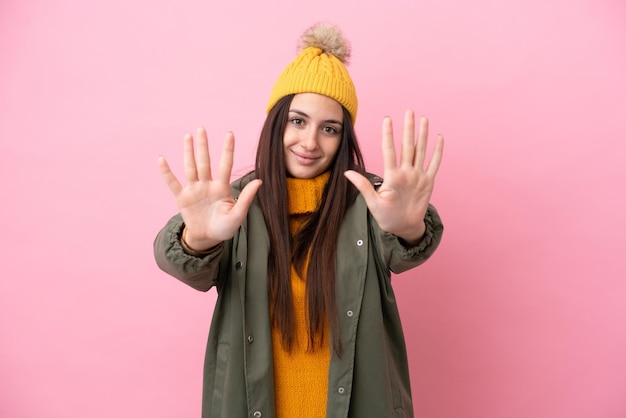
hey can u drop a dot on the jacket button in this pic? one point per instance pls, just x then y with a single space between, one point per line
250 338
341 390
257 414
359 242
350 313
238 265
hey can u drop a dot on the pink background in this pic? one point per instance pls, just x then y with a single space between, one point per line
520 313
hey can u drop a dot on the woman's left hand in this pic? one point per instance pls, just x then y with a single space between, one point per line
399 205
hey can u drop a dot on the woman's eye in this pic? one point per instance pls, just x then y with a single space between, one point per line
330 130
297 121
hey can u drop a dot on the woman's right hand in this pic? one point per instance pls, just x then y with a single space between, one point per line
207 207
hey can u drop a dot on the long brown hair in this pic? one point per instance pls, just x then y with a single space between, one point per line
317 240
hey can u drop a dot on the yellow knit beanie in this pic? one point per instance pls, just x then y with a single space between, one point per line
320 67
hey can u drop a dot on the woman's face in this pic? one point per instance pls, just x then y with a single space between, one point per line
312 134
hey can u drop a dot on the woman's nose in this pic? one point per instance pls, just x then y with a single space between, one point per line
308 140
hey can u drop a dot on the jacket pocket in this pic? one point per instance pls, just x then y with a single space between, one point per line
398 405
217 402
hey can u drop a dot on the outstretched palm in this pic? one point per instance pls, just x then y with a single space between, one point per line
400 204
206 205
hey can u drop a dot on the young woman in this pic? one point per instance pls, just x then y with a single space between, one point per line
301 251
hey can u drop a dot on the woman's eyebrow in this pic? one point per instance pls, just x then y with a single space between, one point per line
299 112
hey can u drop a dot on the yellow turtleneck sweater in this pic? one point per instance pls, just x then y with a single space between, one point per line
301 376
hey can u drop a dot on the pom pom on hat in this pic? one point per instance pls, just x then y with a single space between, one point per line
320 67
329 39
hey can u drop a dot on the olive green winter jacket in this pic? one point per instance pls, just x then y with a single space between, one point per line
371 377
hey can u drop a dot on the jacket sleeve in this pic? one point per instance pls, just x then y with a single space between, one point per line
399 258
201 273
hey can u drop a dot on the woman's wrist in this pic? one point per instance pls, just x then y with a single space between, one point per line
194 249
412 240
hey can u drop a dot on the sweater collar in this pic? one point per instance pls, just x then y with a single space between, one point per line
305 195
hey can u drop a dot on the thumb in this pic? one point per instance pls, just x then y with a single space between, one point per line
246 197
363 185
